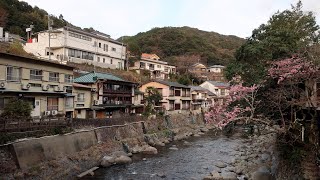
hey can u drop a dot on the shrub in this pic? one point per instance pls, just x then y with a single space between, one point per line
17 109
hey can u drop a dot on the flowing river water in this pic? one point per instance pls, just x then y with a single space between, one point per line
194 158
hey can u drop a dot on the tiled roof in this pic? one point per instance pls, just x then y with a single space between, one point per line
171 84
89 78
148 56
199 88
199 65
218 84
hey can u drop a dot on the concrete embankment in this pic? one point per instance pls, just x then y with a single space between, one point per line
65 156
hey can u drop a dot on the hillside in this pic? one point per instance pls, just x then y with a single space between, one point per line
175 44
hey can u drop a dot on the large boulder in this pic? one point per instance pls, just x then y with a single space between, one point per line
123 160
107 161
149 150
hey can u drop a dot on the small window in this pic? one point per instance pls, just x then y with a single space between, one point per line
68 78
80 97
99 45
98 59
158 66
54 77
13 73
113 49
104 60
111 61
36 74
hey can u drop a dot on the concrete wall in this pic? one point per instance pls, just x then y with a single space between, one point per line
33 151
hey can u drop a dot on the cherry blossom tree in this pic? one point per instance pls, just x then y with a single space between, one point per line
240 104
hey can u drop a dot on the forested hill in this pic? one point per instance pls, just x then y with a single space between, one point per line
16 16
184 44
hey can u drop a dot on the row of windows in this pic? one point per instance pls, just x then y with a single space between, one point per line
14 74
80 54
75 35
103 60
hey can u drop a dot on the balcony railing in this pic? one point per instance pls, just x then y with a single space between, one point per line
117 91
117 102
54 79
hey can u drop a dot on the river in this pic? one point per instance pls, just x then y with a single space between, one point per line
194 159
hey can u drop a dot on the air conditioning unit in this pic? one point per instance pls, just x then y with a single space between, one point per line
95 102
25 86
58 88
47 113
45 87
54 112
3 85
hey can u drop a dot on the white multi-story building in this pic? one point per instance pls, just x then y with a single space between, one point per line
158 69
74 45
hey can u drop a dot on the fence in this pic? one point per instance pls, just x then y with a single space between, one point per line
33 125
78 123
10 126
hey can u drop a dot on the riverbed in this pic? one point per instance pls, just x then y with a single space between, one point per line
193 158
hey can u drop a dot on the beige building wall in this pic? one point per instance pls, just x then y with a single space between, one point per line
34 88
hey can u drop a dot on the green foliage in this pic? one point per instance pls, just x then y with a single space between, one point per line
152 97
17 109
168 42
21 15
286 33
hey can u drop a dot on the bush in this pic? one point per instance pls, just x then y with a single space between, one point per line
17 109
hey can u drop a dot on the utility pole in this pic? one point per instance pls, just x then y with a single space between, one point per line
121 49
49 30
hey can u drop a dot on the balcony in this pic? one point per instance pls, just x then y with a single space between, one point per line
117 91
117 103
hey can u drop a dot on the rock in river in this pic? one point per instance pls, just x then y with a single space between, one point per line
221 164
123 160
150 150
107 161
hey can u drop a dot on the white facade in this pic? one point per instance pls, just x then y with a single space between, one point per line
218 88
69 44
216 69
158 69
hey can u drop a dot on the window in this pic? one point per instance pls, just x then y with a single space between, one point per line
142 65
177 106
68 78
119 65
74 53
177 92
99 45
80 97
110 61
69 102
113 49
13 73
158 66
104 60
52 104
53 77
36 74
68 89
223 92
98 59
105 47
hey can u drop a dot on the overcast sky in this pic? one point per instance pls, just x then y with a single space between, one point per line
129 17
